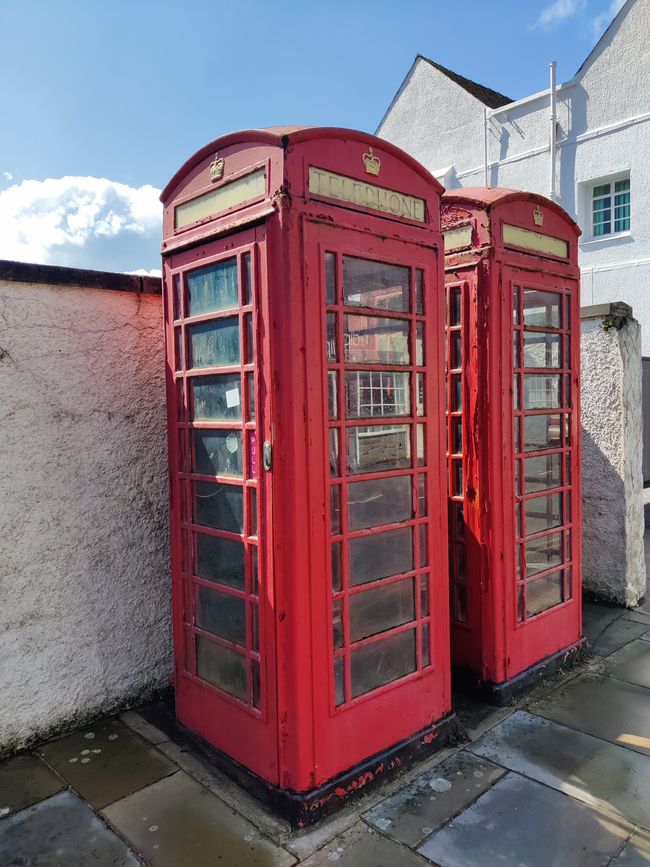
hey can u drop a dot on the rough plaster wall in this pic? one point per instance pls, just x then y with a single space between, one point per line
612 429
84 577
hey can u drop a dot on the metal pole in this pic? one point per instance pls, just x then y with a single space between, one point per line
552 146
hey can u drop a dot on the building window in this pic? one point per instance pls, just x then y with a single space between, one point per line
610 207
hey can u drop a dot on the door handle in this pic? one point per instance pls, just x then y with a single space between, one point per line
267 455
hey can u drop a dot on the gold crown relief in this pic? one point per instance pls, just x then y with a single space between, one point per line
216 168
371 162
538 216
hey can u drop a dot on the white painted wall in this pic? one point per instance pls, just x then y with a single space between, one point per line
84 577
604 128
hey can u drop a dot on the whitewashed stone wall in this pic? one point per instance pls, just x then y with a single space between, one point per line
84 577
612 435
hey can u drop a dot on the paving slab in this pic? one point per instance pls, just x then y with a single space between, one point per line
61 831
617 635
636 852
361 846
521 822
604 707
177 822
106 761
596 617
631 663
599 773
638 616
25 780
412 814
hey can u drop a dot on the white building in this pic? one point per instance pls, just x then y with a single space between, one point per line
598 169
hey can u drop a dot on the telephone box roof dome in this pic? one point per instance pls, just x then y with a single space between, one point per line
490 196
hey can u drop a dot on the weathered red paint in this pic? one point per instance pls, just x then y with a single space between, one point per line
488 634
297 738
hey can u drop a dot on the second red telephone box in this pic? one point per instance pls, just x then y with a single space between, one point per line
513 436
305 339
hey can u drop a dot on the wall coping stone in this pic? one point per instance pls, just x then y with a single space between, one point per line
613 309
55 275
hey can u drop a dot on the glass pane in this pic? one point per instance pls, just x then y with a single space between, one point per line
331 337
250 381
247 288
330 278
255 583
422 495
222 667
178 348
457 478
424 595
337 622
419 343
420 394
335 509
252 492
457 435
383 661
542 472
332 394
218 452
456 397
542 309
517 435
542 349
543 513
454 305
380 501
255 628
212 288
380 555
541 390
177 297
334 451
543 593
216 397
461 603
339 681
456 521
215 343
420 444
336 566
543 553
220 560
375 448
375 284
455 350
249 338
419 291
424 547
542 432
380 609
521 603
426 651
255 672
221 614
376 340
219 506
515 306
372 393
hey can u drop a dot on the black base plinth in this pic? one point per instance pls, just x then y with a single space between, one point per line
503 694
302 809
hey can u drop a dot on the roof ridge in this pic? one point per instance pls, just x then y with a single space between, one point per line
489 97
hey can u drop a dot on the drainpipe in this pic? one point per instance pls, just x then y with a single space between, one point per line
553 142
485 148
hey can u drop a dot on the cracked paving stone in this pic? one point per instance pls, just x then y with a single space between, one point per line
412 814
362 846
631 663
177 822
605 707
25 780
106 761
521 822
587 768
61 831
636 852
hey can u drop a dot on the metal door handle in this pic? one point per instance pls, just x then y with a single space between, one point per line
267 455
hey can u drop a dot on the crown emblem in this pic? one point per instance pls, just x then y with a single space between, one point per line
216 168
538 216
371 162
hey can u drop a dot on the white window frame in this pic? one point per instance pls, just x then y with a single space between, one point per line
587 200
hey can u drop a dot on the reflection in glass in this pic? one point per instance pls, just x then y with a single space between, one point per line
373 393
335 509
250 381
220 560
383 661
334 451
339 681
542 349
216 397
420 394
424 547
426 649
331 337
543 513
419 291
541 309
543 553
217 452
376 340
419 343
380 555
543 593
221 666
332 394
249 338
379 501
541 390
222 614
515 306
542 472
247 288
215 343
212 288
542 432
337 622
517 435
419 438
375 448
219 506
422 495
375 284
330 278
381 608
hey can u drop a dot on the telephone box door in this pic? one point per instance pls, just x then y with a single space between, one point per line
382 650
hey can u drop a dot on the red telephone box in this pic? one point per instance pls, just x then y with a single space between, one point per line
305 343
513 438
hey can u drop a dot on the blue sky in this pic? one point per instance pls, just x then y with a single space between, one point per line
102 101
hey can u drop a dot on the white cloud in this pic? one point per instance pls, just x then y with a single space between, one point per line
600 22
559 11
80 221
7 176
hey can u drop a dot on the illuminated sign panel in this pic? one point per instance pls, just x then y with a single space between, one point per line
332 186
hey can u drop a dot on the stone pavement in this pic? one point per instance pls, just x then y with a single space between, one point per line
560 779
